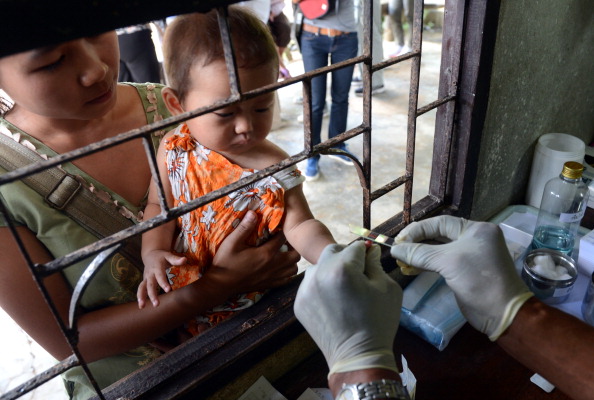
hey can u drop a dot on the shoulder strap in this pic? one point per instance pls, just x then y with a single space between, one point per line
64 192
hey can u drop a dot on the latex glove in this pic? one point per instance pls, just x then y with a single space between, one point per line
351 308
476 265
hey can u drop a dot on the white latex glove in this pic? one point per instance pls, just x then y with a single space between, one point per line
476 265
351 308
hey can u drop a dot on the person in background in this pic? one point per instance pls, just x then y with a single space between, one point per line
280 27
349 289
377 81
396 9
138 58
213 150
259 7
331 38
60 98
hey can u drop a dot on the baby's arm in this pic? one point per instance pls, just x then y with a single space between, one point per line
156 243
306 234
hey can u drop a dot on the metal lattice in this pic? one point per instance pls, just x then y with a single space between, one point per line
445 104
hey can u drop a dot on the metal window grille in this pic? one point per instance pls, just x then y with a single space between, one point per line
458 31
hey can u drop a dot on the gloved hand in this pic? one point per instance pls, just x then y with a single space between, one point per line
351 308
476 265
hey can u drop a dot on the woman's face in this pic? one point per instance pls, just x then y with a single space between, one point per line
72 80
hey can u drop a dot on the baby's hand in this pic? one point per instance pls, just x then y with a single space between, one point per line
156 264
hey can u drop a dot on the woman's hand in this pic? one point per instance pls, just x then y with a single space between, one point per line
241 268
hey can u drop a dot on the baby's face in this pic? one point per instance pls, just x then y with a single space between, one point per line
235 129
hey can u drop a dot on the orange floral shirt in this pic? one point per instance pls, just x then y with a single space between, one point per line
194 171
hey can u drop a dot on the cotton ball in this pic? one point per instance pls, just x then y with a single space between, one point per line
546 261
561 271
545 266
544 271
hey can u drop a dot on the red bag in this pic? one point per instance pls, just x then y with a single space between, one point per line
313 9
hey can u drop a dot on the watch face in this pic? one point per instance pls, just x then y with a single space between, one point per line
347 393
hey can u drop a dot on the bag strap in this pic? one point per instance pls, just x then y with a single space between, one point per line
64 192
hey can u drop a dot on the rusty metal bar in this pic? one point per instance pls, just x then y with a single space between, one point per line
435 104
376 194
448 84
155 175
417 36
395 60
71 336
367 76
41 378
307 117
229 53
419 210
83 283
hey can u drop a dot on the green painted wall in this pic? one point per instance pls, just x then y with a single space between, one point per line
542 82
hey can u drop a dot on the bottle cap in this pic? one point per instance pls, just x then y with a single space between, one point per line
572 170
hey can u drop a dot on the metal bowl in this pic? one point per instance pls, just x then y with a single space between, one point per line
548 290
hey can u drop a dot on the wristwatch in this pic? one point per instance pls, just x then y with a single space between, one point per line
381 389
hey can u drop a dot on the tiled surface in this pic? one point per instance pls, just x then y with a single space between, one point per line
21 359
335 198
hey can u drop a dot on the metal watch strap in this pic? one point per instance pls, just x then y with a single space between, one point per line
380 389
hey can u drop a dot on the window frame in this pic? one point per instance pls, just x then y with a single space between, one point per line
205 363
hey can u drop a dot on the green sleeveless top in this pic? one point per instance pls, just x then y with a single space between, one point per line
117 280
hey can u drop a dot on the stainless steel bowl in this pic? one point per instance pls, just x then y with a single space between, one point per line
550 291
588 304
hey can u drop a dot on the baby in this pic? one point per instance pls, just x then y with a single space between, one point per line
213 150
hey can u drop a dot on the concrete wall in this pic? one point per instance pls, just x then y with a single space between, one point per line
542 82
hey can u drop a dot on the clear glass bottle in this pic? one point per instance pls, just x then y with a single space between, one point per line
563 204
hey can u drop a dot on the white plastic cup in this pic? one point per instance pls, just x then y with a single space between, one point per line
552 151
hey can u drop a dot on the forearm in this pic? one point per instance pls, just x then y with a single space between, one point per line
335 381
117 329
555 345
309 238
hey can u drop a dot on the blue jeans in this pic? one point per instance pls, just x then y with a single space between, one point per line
315 50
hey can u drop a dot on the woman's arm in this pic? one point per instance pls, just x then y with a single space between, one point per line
116 329
554 344
105 332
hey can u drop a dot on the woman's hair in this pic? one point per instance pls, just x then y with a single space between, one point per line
195 39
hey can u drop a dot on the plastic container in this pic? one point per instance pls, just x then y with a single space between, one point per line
550 291
552 151
588 304
564 202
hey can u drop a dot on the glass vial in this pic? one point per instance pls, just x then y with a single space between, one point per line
563 204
